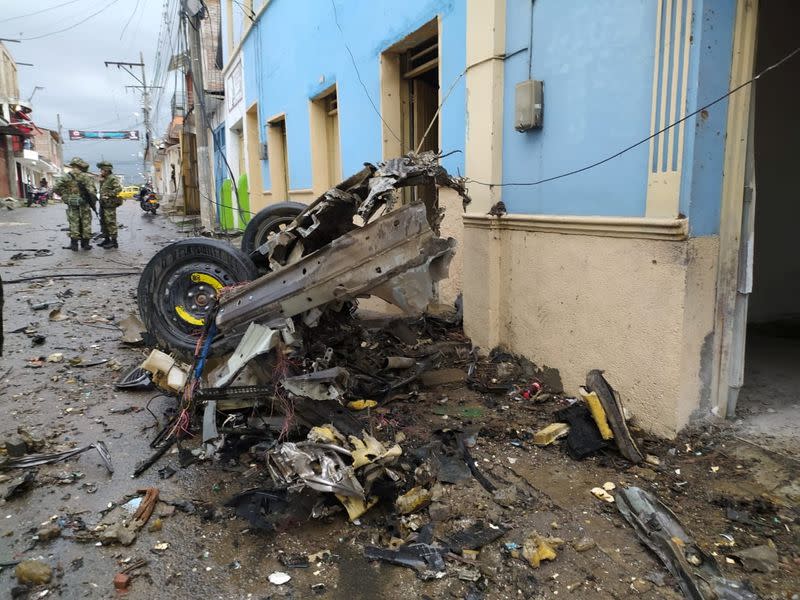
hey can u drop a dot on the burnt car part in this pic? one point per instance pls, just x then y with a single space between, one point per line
357 239
658 528
397 258
34 460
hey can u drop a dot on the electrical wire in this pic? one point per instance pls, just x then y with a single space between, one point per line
649 137
128 22
38 12
70 276
44 35
249 14
358 73
439 109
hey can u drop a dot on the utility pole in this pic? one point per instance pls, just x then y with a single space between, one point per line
60 141
148 133
194 11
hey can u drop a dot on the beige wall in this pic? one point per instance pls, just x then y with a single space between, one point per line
452 226
641 309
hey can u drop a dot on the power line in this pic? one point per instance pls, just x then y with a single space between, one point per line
250 14
38 12
128 22
44 35
649 137
358 73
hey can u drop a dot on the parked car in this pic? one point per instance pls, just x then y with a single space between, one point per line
130 191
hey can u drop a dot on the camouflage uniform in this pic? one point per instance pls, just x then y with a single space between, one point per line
79 214
109 202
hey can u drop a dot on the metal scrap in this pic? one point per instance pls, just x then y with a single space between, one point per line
34 460
329 384
318 466
397 257
658 528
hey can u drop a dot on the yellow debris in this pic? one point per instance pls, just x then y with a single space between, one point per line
602 494
370 450
536 548
356 507
413 500
549 434
598 413
362 404
327 434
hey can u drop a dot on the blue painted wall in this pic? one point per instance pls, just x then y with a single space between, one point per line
596 61
295 51
709 78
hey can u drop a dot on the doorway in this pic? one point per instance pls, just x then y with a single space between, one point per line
278 158
326 159
420 70
768 399
410 99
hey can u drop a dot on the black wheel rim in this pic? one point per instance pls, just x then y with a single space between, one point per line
188 294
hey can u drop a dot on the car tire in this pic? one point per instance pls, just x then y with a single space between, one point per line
178 276
267 221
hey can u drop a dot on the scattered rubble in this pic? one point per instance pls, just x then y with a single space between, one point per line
33 572
302 425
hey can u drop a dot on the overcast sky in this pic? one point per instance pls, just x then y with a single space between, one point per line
69 66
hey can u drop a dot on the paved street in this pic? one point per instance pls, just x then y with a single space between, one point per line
197 548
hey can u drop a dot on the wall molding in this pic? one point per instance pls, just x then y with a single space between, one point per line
671 64
622 227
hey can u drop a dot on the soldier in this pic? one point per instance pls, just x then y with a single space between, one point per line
109 202
76 189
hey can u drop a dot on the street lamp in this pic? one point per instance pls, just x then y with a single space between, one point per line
38 87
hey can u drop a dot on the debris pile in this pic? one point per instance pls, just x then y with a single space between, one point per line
290 378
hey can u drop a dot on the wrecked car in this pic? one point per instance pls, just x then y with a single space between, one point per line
365 236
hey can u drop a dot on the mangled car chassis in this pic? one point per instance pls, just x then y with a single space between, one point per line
362 237
358 238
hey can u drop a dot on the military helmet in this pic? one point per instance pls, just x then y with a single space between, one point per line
104 164
78 163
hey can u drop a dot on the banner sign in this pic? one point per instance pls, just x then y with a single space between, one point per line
76 134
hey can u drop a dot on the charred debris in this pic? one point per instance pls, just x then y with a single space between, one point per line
285 372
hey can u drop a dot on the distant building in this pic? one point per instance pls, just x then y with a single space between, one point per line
15 128
175 161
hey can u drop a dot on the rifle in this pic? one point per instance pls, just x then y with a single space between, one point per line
88 197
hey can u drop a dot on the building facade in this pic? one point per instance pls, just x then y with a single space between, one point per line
15 129
627 242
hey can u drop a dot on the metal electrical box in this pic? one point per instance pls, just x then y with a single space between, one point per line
529 105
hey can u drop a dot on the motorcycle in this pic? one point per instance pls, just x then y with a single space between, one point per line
148 201
38 196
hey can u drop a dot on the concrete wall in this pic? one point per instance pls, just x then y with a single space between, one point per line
640 309
709 78
776 285
593 270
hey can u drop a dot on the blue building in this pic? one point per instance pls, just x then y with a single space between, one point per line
605 128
